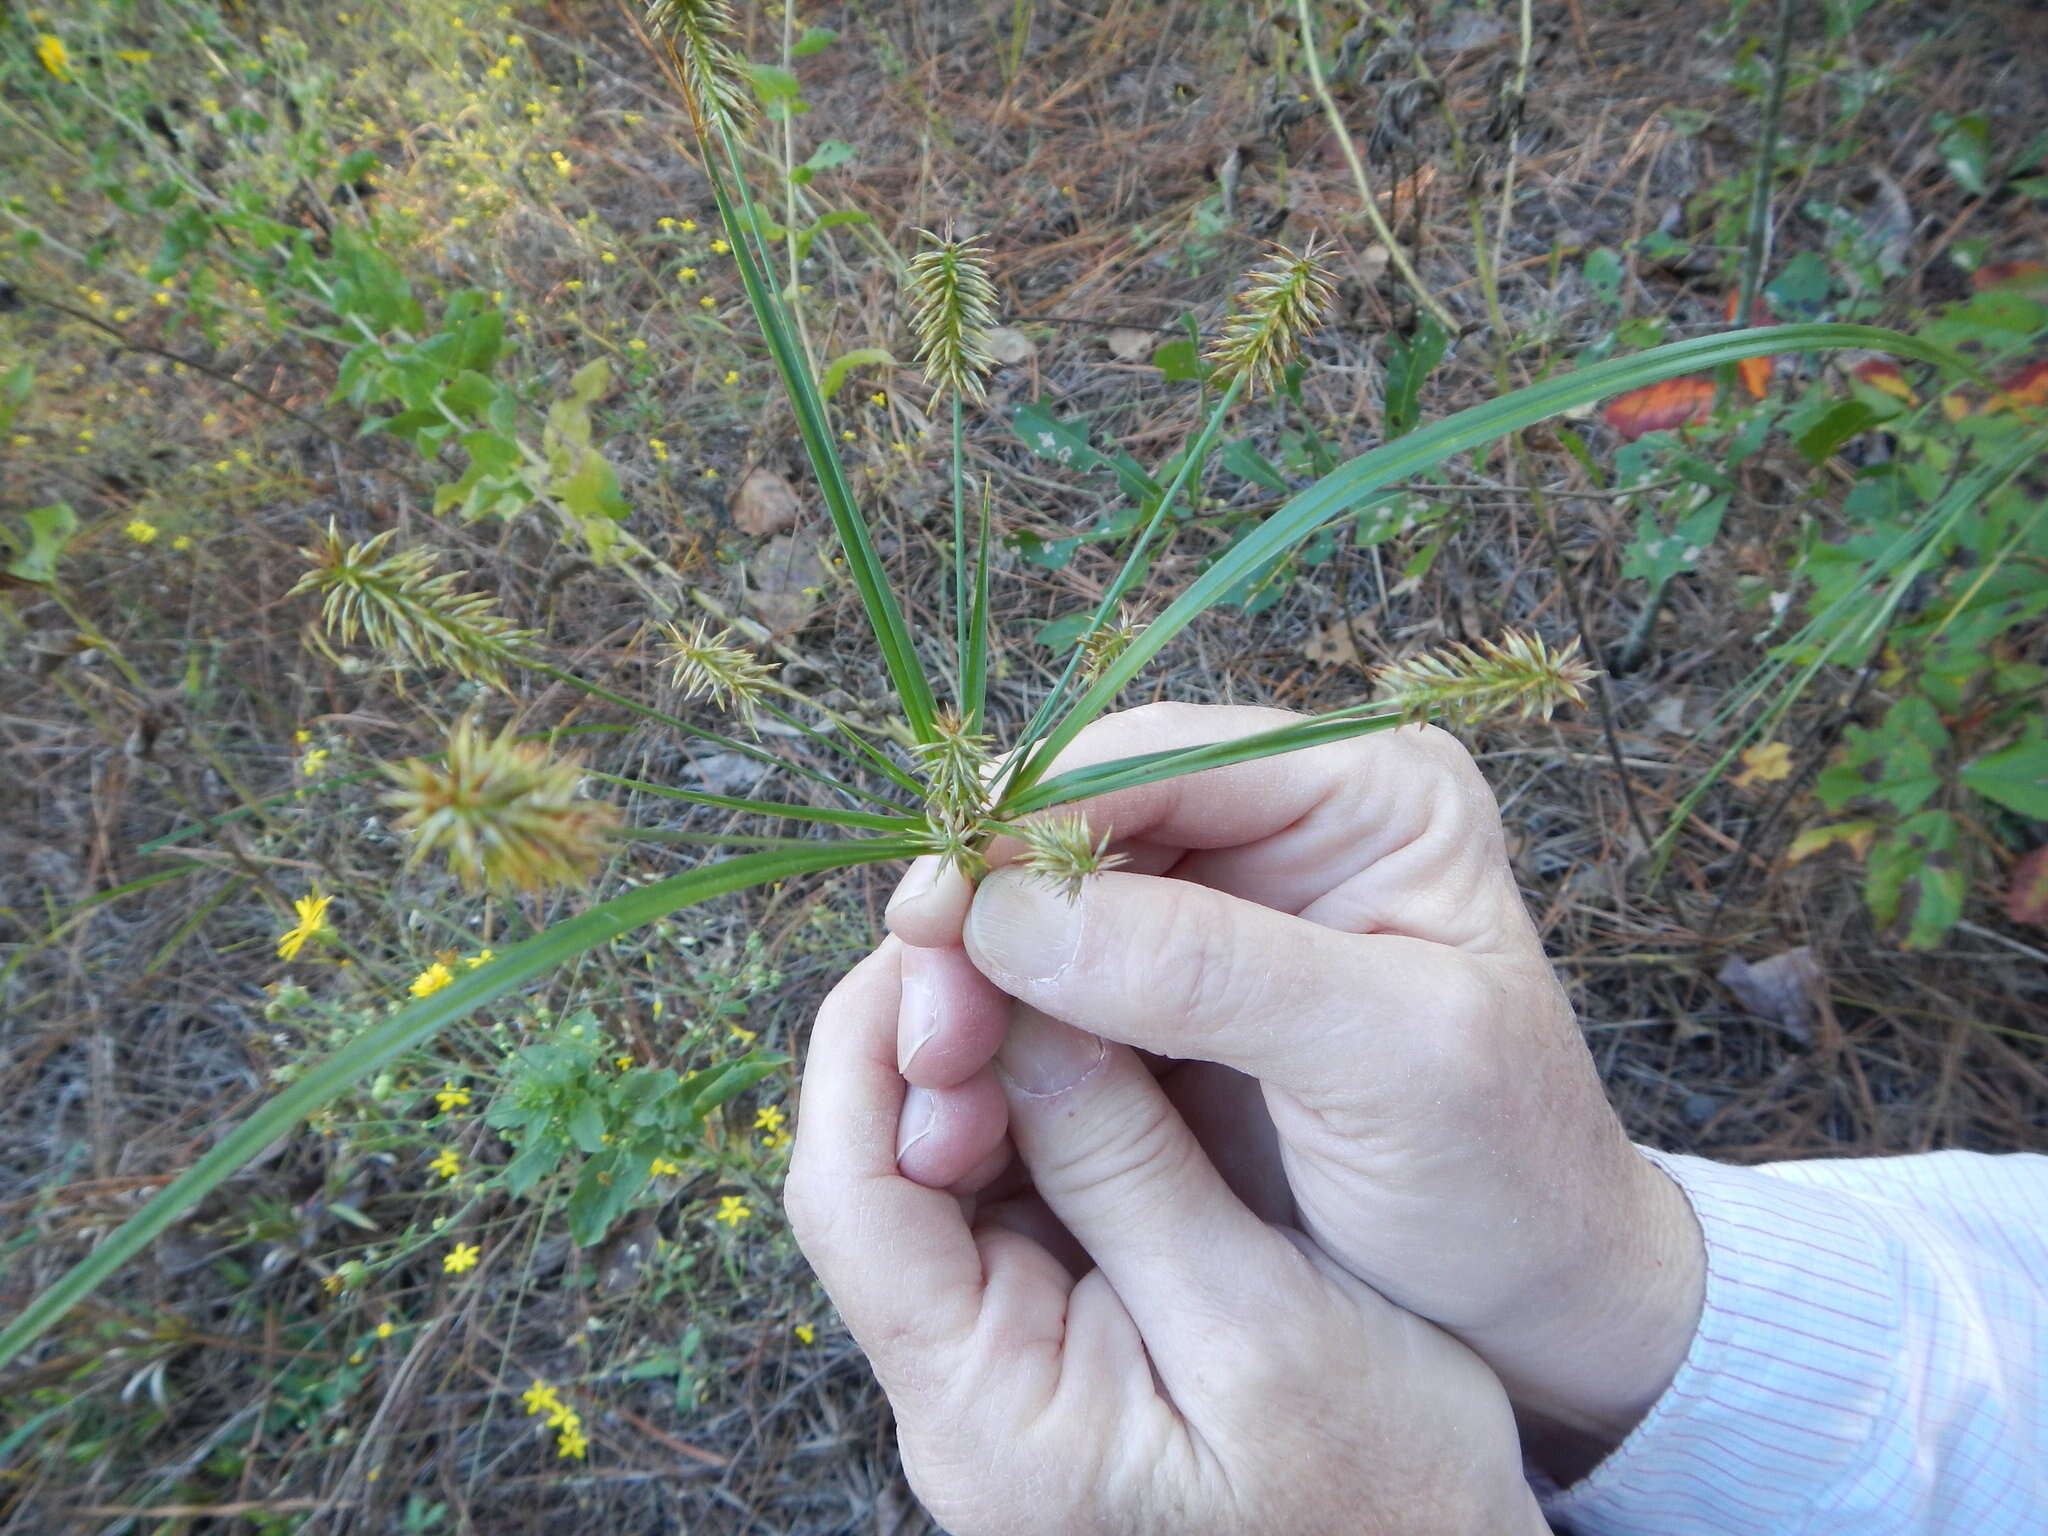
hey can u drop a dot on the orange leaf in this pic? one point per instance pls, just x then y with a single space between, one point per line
1755 372
2010 274
2026 894
1654 407
1884 373
2028 387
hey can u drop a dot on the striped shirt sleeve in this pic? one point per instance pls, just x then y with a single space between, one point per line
1870 1358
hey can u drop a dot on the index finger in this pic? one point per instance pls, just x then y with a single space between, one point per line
1286 831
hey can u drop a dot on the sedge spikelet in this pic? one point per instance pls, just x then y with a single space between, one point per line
955 763
952 310
1103 644
1518 672
700 36
703 664
1058 851
1281 303
502 812
396 600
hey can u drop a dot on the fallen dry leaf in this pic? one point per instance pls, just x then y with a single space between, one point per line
784 581
1786 990
2026 894
1768 762
1331 645
1131 344
765 503
1657 407
1006 344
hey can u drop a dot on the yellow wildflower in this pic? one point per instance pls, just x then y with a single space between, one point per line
432 980
141 531
663 1168
311 763
461 1259
744 1036
385 1330
312 923
805 1333
719 247
768 1117
540 1398
623 1060
689 226
451 1098
878 398
687 275
55 56
481 958
732 1210
707 302
573 1442
447 1163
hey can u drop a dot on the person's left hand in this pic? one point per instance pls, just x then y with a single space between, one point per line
1210 1373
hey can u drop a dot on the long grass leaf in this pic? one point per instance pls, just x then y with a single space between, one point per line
878 599
411 1026
1151 767
1428 447
824 815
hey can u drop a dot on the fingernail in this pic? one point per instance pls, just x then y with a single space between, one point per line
1044 1057
917 1018
917 881
1023 928
920 1114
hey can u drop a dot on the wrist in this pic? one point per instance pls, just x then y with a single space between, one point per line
1613 1331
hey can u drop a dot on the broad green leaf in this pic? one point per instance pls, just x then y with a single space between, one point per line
814 40
49 530
1067 444
1410 362
1898 762
834 378
1180 362
1247 463
839 218
14 392
1844 419
778 90
408 1028
2017 777
1915 878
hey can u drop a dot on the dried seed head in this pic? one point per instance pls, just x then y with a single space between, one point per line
703 663
952 310
1281 303
397 602
1058 851
1103 644
1464 683
501 811
699 35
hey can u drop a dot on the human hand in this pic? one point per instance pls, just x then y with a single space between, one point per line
1211 1373
1341 927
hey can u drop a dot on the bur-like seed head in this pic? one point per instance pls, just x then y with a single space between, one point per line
1518 672
955 764
1282 302
502 812
952 309
1107 641
701 663
1058 850
700 35
396 600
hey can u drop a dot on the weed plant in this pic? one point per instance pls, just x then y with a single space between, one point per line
506 813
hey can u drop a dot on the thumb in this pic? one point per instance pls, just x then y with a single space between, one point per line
1183 970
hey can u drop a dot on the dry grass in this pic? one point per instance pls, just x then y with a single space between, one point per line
138 1026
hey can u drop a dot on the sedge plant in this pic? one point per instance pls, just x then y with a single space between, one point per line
505 812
